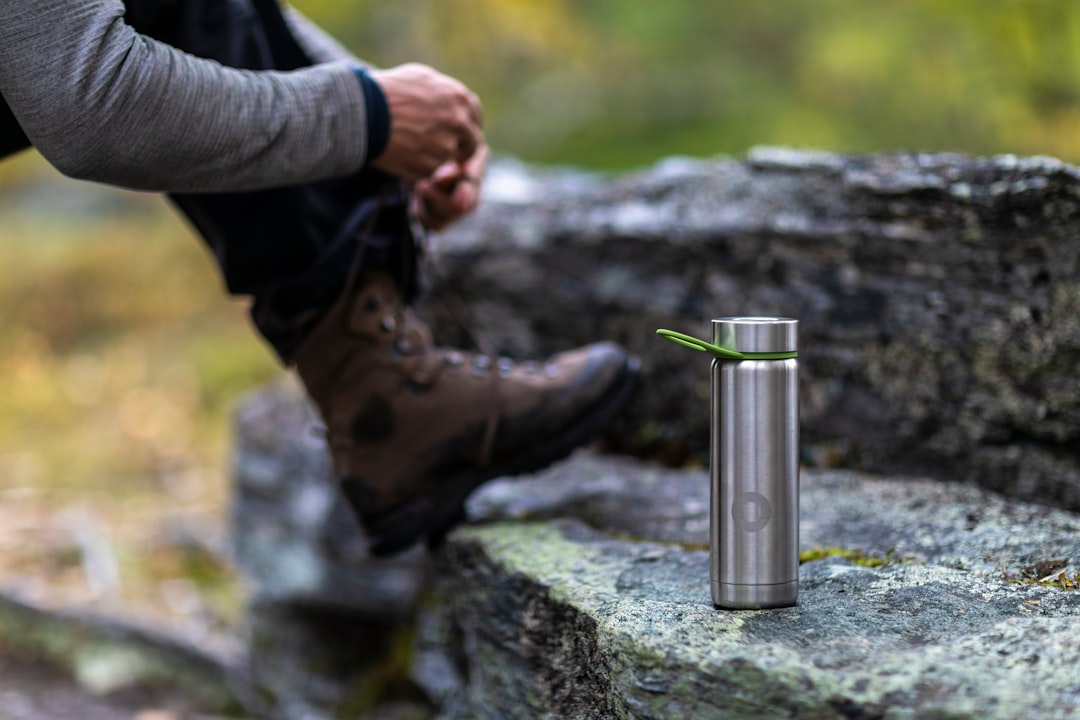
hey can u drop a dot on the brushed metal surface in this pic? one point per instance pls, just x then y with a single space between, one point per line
755 597
754 524
756 334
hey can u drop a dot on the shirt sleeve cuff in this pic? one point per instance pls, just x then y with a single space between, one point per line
378 114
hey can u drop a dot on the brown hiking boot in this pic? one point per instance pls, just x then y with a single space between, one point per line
414 429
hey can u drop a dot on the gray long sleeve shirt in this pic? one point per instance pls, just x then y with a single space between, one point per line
104 103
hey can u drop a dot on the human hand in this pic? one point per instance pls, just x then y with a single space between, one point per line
434 120
451 192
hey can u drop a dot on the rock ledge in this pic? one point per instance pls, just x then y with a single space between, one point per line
560 612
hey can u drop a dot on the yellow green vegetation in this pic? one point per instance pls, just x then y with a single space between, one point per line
858 557
618 83
1048 573
122 358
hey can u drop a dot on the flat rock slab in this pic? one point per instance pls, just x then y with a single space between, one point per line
584 592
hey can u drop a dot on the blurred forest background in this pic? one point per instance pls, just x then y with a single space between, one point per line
122 357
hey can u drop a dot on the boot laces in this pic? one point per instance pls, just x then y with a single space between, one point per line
461 317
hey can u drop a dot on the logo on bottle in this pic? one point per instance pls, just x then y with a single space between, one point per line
751 511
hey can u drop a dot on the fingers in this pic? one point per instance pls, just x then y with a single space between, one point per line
476 166
474 127
434 209
436 151
419 157
434 119
451 192
464 133
438 205
476 110
471 139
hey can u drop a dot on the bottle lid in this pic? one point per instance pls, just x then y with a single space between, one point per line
756 334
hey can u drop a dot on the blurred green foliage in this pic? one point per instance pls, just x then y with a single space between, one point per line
619 83
121 360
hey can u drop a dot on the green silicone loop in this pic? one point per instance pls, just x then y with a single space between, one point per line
722 353
692 342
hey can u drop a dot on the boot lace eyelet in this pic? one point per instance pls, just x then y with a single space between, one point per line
481 365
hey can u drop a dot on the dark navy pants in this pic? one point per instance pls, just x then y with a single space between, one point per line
290 248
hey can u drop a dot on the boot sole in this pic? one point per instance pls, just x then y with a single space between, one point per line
435 516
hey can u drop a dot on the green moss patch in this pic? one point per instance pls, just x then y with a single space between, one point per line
858 557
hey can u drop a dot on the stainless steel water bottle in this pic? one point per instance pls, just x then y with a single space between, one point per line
754 524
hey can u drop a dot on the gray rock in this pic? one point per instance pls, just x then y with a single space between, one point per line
583 592
291 533
938 298
95 654
330 662
326 622
556 605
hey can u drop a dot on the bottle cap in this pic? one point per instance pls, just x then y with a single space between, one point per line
756 334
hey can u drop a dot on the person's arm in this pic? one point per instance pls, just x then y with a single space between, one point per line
103 103
444 124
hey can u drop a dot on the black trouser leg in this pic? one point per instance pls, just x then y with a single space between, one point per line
288 248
